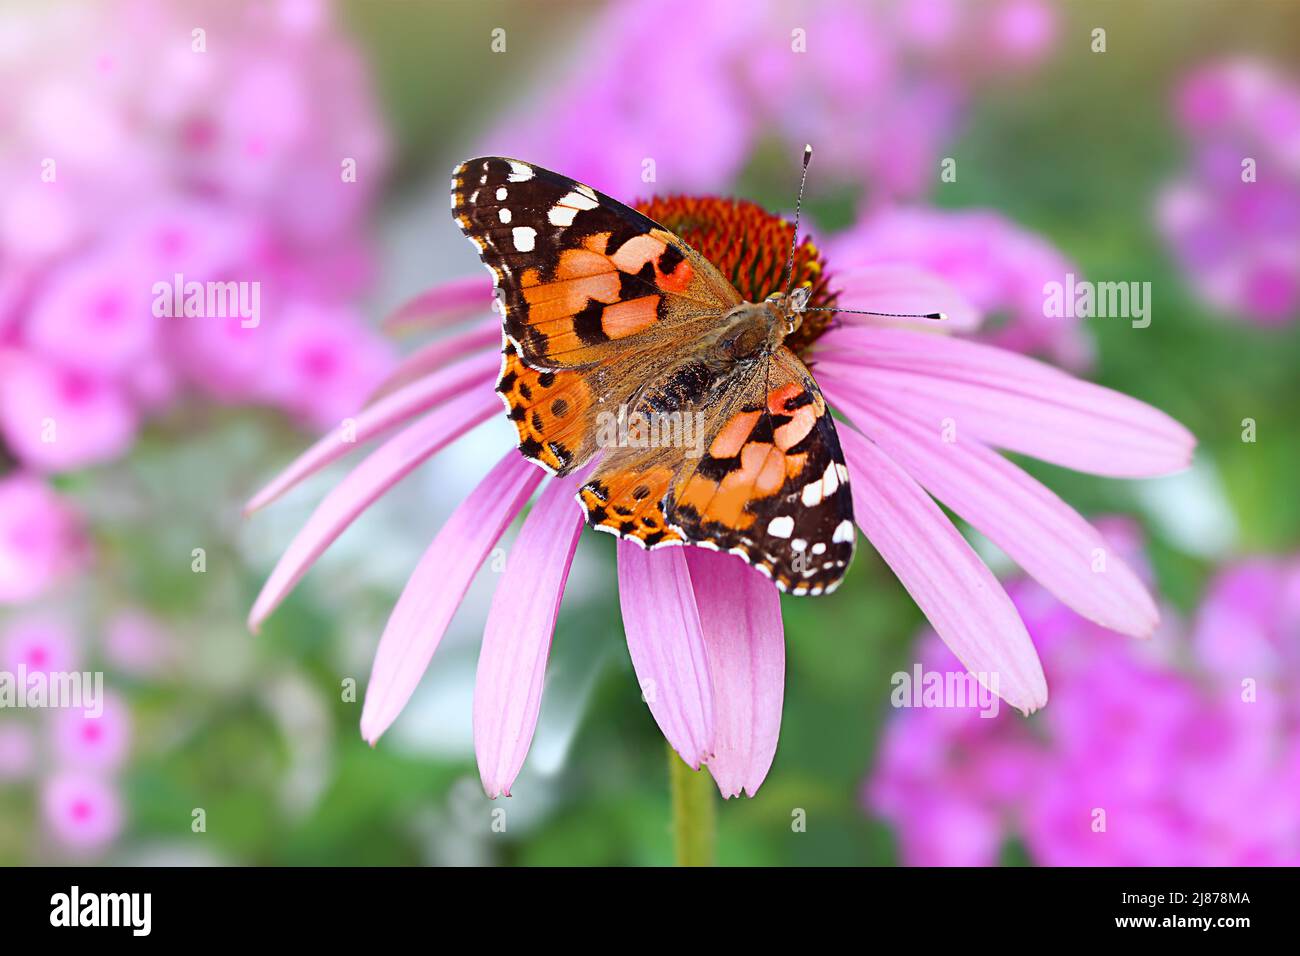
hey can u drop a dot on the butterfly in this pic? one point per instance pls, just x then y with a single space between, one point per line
624 346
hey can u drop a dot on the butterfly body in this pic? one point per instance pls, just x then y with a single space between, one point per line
623 343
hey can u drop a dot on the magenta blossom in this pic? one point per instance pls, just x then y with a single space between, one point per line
1232 219
83 812
1168 753
925 413
880 88
999 267
38 642
149 143
95 742
41 539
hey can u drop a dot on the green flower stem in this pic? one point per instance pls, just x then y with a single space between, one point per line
695 816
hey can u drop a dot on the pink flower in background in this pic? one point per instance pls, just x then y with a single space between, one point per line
979 36
134 159
704 631
38 642
1248 629
89 741
137 643
41 539
55 418
998 266
1232 219
325 364
1150 754
880 89
82 812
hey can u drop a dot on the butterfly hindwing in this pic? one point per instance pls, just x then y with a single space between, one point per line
772 485
768 483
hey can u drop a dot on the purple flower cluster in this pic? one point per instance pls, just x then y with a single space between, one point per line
879 88
70 754
1232 218
152 146
1181 751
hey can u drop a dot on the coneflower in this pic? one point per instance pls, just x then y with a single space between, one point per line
921 414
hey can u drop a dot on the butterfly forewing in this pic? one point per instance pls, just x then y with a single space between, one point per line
583 278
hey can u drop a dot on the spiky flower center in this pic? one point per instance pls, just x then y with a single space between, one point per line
750 246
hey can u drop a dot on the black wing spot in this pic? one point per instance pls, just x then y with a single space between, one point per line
587 324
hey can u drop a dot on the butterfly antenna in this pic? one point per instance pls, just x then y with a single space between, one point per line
794 246
798 205
936 316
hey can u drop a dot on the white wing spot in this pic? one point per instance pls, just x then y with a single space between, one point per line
561 215
830 481
501 193
781 526
819 547
503 214
798 544
524 237
812 494
580 200
843 532
519 173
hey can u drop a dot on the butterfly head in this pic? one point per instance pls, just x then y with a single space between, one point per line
788 308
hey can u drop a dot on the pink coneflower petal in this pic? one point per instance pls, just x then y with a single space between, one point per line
740 619
666 643
897 288
1006 400
445 304
382 469
947 580
1038 530
517 637
438 353
437 586
473 373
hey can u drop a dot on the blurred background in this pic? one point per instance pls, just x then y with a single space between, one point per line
214 139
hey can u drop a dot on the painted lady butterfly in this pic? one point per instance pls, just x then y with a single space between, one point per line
615 328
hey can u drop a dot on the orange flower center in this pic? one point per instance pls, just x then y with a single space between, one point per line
750 246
